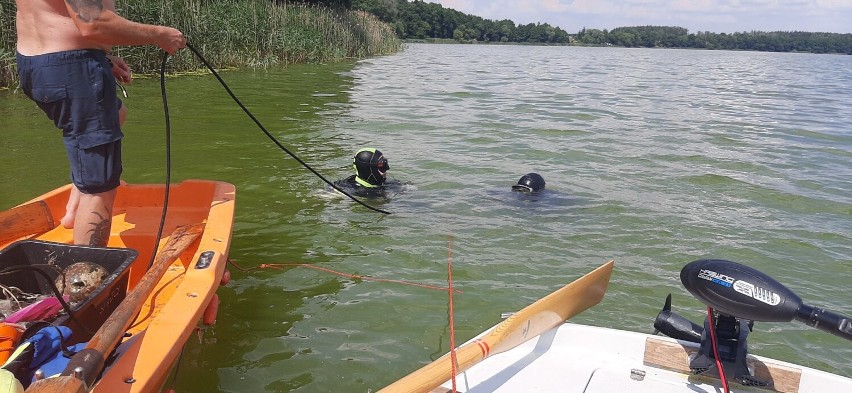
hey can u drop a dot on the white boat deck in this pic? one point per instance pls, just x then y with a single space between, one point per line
577 358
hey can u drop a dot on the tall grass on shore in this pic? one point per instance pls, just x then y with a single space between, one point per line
235 33
7 43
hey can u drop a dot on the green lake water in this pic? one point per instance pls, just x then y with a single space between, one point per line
653 158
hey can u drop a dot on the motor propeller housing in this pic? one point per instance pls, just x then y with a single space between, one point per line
676 326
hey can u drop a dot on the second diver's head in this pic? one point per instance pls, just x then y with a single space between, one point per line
531 182
370 167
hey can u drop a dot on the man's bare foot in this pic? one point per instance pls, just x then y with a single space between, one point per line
71 208
68 220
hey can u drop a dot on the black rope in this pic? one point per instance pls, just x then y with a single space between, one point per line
269 135
168 160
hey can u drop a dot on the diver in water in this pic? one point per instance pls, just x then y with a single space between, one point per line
531 182
370 178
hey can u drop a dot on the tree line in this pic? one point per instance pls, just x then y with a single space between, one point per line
422 20
678 37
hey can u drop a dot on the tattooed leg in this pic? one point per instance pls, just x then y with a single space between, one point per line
94 219
99 230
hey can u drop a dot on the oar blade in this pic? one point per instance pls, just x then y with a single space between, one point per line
535 319
551 310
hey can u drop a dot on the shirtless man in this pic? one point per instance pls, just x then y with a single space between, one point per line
65 67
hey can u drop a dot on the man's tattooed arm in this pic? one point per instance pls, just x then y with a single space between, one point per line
87 10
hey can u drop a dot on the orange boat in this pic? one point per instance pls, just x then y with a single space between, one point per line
154 304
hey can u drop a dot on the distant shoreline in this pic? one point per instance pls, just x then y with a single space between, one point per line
679 38
448 41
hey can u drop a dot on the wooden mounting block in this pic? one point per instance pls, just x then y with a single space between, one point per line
675 357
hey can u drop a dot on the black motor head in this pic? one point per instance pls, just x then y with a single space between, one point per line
739 291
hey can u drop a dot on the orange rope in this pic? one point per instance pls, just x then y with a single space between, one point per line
353 276
452 318
449 289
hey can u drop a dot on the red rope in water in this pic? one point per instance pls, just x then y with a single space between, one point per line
449 289
452 312
716 350
353 276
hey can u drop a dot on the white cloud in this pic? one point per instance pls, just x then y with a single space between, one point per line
555 6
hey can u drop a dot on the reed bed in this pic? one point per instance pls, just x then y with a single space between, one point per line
7 43
235 34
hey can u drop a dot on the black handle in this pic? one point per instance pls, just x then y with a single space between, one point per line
826 321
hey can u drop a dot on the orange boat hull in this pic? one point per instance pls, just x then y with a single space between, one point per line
172 311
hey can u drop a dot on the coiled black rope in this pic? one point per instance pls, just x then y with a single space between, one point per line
268 134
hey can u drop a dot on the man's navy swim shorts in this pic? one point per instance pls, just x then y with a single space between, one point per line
76 89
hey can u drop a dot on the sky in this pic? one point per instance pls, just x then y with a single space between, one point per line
716 16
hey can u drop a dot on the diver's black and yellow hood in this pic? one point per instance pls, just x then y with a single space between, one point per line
371 167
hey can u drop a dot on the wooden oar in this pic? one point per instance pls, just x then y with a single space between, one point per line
19 221
91 359
535 319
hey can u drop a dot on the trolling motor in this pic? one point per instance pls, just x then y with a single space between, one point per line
740 296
